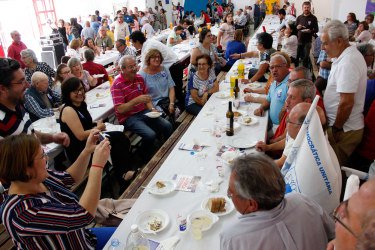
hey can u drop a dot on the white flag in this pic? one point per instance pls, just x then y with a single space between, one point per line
311 167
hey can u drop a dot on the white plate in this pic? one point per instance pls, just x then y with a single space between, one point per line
228 205
253 120
170 186
222 95
242 143
144 219
255 85
153 114
98 76
101 95
229 156
200 214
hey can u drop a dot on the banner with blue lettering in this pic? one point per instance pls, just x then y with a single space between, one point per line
311 167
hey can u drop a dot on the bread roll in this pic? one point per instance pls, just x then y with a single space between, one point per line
216 205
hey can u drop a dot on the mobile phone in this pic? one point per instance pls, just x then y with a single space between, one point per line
101 136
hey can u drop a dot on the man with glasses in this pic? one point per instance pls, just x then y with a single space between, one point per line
123 50
14 50
14 119
270 219
121 28
350 215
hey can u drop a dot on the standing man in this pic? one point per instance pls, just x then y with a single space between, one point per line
121 28
87 32
14 50
256 15
346 89
263 9
307 26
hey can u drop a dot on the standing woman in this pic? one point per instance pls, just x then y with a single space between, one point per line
163 19
62 73
62 32
226 32
77 122
290 41
351 24
135 26
77 70
175 16
201 85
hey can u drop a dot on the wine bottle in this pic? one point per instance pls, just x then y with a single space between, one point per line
236 89
230 118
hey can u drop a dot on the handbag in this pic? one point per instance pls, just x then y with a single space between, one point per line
110 212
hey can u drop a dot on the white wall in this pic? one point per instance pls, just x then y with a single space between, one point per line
343 7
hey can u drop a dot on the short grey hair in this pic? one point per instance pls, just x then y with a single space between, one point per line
365 49
258 178
74 62
13 33
274 56
29 53
124 59
89 55
336 29
307 87
37 77
306 72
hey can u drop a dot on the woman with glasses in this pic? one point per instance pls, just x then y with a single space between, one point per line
39 211
201 85
62 73
77 122
77 70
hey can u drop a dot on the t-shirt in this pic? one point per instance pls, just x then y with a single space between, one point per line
201 86
14 51
228 34
348 75
121 30
96 69
276 97
124 91
174 36
88 32
311 23
290 45
14 122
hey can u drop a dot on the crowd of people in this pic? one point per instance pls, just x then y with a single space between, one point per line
150 78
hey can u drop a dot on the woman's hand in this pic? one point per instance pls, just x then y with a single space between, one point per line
100 125
92 140
235 56
101 153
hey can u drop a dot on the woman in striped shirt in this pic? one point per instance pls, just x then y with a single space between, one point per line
39 211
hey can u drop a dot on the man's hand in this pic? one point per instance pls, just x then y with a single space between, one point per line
171 109
92 140
142 99
299 26
248 90
249 98
61 138
261 146
259 111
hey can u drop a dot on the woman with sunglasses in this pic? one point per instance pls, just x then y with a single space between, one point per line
77 122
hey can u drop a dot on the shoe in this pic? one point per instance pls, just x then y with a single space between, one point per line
126 183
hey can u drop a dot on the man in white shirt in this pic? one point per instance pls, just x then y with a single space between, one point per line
284 19
142 18
147 29
239 19
269 219
346 89
121 28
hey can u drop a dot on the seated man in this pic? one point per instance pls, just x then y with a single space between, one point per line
269 219
349 216
39 98
123 50
132 102
94 68
103 39
277 94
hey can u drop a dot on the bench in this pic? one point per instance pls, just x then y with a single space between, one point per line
5 240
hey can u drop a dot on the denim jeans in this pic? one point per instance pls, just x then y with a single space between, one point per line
194 109
148 128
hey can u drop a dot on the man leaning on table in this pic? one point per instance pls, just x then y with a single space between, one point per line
14 119
270 219
132 103
123 50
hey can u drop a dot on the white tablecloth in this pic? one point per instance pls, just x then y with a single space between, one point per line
107 58
271 22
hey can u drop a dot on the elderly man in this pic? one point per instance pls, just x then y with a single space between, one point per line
94 68
14 50
132 102
278 91
239 19
87 32
103 39
350 215
346 89
270 220
13 118
121 28
123 49
39 98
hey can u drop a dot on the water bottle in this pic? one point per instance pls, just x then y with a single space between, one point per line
137 240
115 245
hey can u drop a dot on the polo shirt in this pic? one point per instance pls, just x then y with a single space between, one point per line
14 51
14 122
124 91
276 97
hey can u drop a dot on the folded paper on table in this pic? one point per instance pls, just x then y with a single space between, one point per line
311 167
109 127
187 183
190 147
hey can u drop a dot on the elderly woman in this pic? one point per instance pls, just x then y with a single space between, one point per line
77 70
89 44
62 73
77 122
159 82
74 49
226 32
94 68
47 214
362 34
201 85
235 46
264 52
175 36
28 57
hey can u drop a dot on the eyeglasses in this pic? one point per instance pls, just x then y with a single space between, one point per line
272 67
119 46
81 89
22 81
294 123
339 213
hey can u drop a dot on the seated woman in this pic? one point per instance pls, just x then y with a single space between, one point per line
77 70
290 41
362 34
28 57
74 49
159 82
264 52
174 37
62 73
234 46
89 44
47 214
76 121
201 85
94 68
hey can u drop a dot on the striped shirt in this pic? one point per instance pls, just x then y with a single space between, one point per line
14 122
50 220
124 91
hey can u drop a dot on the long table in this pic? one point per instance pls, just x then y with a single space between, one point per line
271 22
109 57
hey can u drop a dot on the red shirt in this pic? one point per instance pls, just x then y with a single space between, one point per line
366 148
124 91
207 18
14 51
96 69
